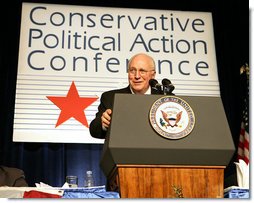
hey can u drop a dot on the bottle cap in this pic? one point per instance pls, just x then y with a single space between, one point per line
89 172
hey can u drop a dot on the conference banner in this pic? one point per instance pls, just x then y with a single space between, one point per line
69 55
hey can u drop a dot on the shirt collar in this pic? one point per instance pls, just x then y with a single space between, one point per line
148 91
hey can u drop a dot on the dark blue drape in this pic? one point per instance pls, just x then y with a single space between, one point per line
58 160
50 163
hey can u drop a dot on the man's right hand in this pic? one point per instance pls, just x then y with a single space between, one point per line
106 118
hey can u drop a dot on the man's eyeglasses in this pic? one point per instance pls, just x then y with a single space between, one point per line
134 71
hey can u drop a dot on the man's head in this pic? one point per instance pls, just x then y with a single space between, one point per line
141 69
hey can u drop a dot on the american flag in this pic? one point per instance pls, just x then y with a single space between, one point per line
243 146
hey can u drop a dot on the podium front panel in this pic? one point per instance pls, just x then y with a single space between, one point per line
132 140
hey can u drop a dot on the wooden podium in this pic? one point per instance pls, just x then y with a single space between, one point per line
139 163
166 181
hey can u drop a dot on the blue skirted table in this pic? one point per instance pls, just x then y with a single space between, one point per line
50 192
236 193
95 192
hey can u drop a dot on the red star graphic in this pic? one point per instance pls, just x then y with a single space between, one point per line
72 106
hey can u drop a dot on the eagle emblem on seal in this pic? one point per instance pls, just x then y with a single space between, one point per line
172 120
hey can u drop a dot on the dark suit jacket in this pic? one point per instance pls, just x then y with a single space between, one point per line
106 102
12 177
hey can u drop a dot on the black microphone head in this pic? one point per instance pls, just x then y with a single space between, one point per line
166 82
156 87
153 82
168 87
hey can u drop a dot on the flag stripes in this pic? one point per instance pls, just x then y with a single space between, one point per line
243 145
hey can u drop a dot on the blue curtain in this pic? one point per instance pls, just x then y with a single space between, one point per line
51 163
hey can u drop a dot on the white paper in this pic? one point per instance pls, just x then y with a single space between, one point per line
242 171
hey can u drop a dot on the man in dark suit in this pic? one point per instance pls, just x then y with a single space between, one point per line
12 177
141 69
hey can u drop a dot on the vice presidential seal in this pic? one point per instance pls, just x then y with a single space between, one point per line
172 117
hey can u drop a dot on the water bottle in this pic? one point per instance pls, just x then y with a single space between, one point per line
89 181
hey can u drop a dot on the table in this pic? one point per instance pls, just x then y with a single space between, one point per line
67 193
95 192
236 193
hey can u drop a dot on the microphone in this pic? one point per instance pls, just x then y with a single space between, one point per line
168 87
155 86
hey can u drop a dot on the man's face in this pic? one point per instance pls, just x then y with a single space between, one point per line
141 70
